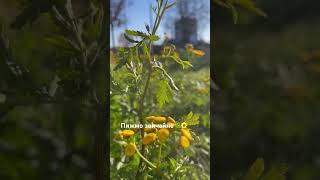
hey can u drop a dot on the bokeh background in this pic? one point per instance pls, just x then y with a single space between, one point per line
267 105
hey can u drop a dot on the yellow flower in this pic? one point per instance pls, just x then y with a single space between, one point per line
127 133
184 142
149 118
170 119
189 47
185 132
163 134
197 52
159 119
166 50
130 149
156 119
149 138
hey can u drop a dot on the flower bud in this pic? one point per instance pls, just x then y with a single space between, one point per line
185 132
189 47
149 138
149 118
198 52
130 149
159 119
163 134
170 119
127 133
184 142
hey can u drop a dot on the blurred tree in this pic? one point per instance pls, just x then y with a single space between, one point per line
268 98
50 117
198 10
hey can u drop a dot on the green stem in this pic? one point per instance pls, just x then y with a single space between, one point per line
140 115
159 156
145 159
161 15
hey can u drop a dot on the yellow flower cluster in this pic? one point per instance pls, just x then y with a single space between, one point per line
152 134
185 138
162 134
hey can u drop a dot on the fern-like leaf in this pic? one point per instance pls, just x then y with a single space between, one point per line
192 119
163 94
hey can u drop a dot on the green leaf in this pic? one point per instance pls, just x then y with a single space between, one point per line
171 5
250 6
154 38
192 119
184 64
246 4
122 49
130 39
124 57
255 170
120 64
63 44
136 33
189 116
173 164
163 93
234 13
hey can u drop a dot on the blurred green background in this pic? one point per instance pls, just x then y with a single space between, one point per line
47 115
267 105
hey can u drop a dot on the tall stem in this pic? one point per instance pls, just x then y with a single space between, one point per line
140 115
160 12
159 155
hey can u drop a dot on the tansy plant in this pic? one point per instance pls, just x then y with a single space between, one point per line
142 70
157 138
